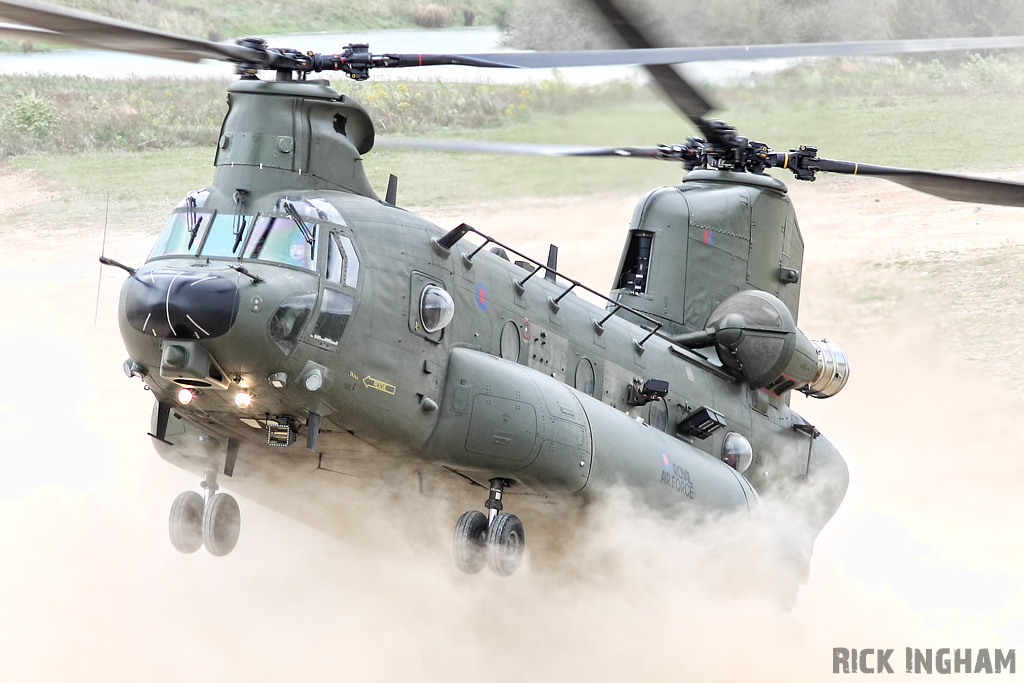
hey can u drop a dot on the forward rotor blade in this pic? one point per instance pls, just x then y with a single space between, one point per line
537 149
681 55
493 61
89 30
686 98
35 35
951 186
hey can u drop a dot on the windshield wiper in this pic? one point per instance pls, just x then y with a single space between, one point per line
307 232
238 223
192 220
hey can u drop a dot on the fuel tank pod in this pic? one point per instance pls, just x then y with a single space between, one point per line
501 419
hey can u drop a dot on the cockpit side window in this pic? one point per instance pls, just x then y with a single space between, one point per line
182 235
335 311
342 262
225 234
282 240
335 260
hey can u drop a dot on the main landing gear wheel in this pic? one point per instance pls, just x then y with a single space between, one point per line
496 540
212 520
471 541
221 523
186 522
506 543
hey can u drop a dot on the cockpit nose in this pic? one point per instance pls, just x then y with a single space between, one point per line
178 304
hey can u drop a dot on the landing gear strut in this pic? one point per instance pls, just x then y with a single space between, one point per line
496 540
211 519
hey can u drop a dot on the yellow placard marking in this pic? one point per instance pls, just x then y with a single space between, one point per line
353 375
371 383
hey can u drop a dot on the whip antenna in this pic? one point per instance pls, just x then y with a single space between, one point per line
103 251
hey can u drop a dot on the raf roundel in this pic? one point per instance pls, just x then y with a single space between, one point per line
481 296
665 462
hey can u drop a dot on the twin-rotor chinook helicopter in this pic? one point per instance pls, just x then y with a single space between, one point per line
320 347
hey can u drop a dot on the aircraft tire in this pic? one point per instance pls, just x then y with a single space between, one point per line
506 543
186 522
470 542
221 523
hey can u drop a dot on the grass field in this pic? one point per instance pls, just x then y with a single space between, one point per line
146 143
922 132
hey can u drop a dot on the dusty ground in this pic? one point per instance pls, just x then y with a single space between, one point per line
922 554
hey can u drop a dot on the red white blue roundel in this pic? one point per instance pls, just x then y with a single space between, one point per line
665 462
481 296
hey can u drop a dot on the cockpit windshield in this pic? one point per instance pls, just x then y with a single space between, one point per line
282 240
225 234
182 235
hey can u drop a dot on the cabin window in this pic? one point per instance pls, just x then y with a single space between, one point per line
509 344
282 240
584 380
638 262
437 308
182 235
342 262
225 234
335 311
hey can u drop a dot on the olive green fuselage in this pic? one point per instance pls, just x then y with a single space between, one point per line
513 387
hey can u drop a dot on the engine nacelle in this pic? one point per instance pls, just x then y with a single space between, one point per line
755 336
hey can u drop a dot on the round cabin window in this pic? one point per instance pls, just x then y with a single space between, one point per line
585 377
509 344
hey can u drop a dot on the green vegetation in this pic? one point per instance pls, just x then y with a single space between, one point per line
226 20
63 115
107 135
877 110
421 107
45 114
563 25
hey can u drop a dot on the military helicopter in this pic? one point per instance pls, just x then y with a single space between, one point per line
312 343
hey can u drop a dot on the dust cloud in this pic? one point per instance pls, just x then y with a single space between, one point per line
923 553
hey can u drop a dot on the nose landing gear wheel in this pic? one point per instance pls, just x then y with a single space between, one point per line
505 544
471 541
221 523
186 522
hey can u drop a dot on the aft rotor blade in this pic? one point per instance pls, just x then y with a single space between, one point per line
681 55
684 96
537 149
958 188
89 30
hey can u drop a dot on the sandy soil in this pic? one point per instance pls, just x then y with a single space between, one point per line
18 190
922 554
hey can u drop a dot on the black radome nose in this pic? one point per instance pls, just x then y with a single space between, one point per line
174 304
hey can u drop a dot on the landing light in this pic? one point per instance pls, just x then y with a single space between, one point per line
243 399
314 380
185 396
